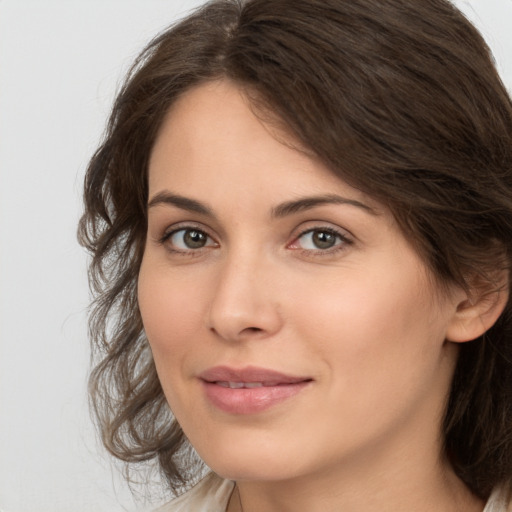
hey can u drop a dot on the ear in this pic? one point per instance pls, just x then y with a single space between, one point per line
479 310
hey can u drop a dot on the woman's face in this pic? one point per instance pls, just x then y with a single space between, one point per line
293 328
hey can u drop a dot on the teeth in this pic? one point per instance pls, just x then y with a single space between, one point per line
239 385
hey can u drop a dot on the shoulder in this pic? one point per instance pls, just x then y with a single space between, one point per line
211 494
500 500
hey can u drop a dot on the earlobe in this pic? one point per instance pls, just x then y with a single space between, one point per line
476 314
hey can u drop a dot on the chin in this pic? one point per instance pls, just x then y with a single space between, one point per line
255 459
253 471
250 462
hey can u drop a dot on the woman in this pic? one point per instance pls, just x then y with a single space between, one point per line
301 229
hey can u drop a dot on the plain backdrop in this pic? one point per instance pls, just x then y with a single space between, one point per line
60 64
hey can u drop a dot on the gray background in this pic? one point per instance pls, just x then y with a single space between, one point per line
60 64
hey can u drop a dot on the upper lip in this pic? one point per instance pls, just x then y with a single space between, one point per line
249 374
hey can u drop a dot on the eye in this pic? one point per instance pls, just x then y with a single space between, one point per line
320 239
188 239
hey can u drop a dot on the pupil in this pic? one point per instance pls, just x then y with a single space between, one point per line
324 239
194 239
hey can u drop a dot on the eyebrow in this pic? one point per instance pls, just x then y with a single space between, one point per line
306 203
279 211
181 202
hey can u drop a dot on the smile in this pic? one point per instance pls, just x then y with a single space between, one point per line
238 385
248 385
250 390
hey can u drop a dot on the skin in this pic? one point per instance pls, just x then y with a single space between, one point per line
363 319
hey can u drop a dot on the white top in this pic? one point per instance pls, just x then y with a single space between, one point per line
212 494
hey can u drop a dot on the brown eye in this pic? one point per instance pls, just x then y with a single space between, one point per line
319 239
187 239
324 239
195 239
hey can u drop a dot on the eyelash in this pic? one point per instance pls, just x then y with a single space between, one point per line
340 244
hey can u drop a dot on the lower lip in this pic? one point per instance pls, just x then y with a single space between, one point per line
250 400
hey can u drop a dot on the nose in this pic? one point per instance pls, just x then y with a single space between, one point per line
244 304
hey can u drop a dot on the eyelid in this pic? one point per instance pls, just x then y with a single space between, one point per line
319 225
186 224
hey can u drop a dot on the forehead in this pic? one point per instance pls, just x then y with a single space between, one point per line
212 140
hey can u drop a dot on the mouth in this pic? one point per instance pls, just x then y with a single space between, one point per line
247 385
249 390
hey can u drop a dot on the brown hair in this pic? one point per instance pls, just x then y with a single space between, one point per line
399 98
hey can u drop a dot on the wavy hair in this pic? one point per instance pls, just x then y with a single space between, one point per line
400 99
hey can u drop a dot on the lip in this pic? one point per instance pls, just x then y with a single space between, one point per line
267 388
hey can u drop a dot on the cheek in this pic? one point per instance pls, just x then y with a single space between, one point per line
360 311
375 330
381 347
171 311
172 314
